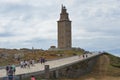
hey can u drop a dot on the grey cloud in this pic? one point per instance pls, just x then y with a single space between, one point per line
97 44
99 21
27 11
6 34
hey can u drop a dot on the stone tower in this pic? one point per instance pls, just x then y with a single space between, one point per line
64 30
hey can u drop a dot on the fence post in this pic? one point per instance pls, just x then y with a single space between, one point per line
20 77
47 72
56 73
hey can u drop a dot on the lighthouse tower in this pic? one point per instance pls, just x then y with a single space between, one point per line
64 30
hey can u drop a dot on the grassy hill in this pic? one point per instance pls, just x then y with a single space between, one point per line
14 56
107 68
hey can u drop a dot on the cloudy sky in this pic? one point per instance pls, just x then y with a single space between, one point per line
27 23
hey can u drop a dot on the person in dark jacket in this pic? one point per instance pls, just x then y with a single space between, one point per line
7 69
10 74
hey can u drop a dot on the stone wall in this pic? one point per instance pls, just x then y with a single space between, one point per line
74 70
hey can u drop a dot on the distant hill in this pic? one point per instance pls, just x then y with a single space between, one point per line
115 51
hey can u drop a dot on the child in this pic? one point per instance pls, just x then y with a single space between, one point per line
33 78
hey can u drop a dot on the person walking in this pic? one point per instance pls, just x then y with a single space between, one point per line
86 55
33 62
13 68
10 74
41 60
7 69
83 56
22 64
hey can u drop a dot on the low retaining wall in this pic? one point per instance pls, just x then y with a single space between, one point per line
74 70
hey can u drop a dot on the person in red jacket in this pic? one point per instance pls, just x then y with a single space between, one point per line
33 78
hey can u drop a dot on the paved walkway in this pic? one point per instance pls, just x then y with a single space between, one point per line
40 67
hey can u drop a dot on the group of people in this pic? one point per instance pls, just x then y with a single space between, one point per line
27 63
85 55
10 70
42 60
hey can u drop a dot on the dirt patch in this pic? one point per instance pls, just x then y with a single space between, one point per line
90 79
101 67
104 62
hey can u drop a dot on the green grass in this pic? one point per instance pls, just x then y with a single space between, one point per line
114 60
